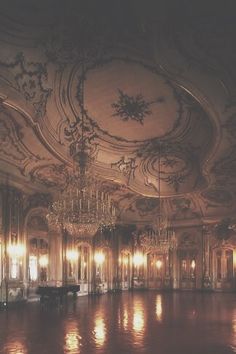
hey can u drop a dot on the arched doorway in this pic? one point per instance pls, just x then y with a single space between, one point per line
223 270
102 269
188 261
187 269
84 267
125 269
156 269
38 255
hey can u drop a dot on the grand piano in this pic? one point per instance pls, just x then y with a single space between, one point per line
56 294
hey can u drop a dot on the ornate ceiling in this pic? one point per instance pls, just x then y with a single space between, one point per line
157 89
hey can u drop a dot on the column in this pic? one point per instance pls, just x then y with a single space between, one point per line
206 281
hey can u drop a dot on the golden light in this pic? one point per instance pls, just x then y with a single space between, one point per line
193 264
72 343
16 250
138 259
158 264
125 319
159 307
43 261
125 260
138 323
33 269
19 347
99 331
99 258
72 255
138 319
72 339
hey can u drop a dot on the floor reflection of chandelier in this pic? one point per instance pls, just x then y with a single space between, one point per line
83 206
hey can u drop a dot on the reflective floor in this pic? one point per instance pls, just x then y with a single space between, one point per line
124 323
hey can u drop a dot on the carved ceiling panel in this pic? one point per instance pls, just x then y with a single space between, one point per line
160 105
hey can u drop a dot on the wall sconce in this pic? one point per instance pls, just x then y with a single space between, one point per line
158 264
72 255
99 258
16 250
193 264
138 259
43 261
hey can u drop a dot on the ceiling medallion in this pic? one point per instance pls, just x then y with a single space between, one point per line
132 107
82 207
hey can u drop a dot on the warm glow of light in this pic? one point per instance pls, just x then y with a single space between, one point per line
125 319
14 267
99 331
72 255
72 339
138 323
138 259
193 264
43 261
159 264
19 347
16 250
138 320
159 307
33 268
99 258
125 260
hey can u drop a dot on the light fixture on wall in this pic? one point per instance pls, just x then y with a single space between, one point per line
43 261
72 255
138 259
158 264
16 250
99 258
83 206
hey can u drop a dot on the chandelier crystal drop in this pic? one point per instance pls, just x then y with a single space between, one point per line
83 206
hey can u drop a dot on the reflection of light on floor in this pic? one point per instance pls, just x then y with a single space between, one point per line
138 321
100 331
72 339
159 307
138 318
138 324
125 319
17 347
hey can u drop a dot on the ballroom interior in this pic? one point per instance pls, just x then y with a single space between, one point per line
117 148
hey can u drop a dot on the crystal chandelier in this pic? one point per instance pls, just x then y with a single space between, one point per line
162 234
83 206
159 236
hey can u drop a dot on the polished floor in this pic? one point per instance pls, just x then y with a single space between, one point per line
124 323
